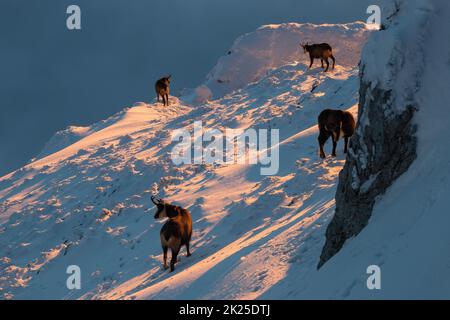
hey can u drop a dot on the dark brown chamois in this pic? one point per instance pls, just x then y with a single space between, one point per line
321 51
176 232
162 88
335 123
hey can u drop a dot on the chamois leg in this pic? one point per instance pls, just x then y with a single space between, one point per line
328 64
335 141
187 249
333 154
165 249
334 61
173 260
312 61
323 137
321 60
167 99
346 144
157 96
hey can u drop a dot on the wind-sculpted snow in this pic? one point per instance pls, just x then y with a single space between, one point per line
406 235
53 216
86 201
385 142
255 54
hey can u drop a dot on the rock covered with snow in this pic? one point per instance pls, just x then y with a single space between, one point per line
385 142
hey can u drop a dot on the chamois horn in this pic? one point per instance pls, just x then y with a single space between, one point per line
158 201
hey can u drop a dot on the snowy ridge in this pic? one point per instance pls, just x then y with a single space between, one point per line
52 210
255 54
88 203
407 236
384 67
62 139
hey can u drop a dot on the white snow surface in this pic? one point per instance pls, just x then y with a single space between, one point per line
248 229
407 236
255 237
86 199
255 54
398 62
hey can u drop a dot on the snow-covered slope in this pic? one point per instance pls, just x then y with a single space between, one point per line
255 54
86 200
407 235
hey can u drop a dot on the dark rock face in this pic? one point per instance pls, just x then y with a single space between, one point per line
382 149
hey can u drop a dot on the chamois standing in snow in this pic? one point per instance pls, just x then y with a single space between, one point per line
321 51
176 232
335 123
162 88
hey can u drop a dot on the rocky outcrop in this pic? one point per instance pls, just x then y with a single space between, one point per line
385 144
379 155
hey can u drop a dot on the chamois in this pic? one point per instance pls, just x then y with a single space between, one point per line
162 88
176 232
335 123
321 51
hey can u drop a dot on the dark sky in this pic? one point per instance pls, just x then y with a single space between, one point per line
51 77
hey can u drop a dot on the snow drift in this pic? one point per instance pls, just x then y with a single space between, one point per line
254 54
87 203
406 234
86 200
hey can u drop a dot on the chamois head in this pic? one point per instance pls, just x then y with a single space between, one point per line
305 46
167 79
161 208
